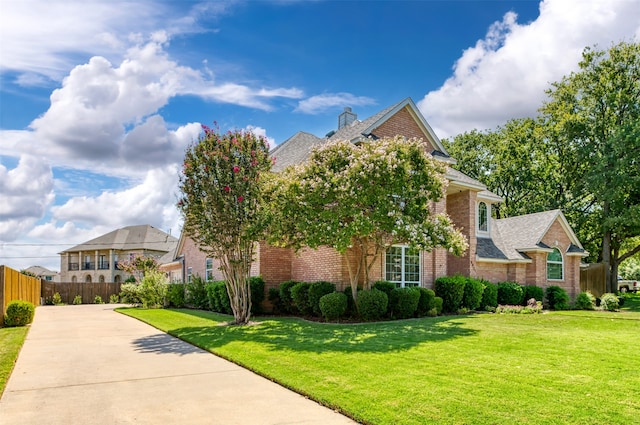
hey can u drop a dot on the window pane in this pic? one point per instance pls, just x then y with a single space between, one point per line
555 256
394 264
554 271
482 217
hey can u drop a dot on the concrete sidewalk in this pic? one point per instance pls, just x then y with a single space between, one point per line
90 365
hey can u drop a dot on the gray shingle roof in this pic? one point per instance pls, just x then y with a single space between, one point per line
141 237
295 149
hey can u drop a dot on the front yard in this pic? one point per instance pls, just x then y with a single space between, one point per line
561 367
11 340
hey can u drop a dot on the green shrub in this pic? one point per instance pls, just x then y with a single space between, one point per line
472 297
451 290
352 311
175 295
489 294
130 294
609 302
130 279
316 291
98 300
285 296
19 313
57 299
386 287
300 297
256 286
153 290
333 305
276 302
195 293
532 291
433 312
426 302
557 298
510 293
218 297
404 302
77 300
438 302
585 301
372 304
114 299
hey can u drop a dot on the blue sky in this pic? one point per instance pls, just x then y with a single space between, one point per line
99 99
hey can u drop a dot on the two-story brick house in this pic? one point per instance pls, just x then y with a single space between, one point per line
539 249
97 259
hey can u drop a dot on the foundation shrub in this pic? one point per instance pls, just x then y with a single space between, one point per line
256 286
532 291
56 299
77 300
609 302
510 293
426 302
489 295
175 295
285 296
195 293
316 291
585 301
300 297
333 305
472 297
130 294
19 313
217 297
98 300
276 302
403 302
557 298
352 311
386 287
437 301
372 304
153 290
451 290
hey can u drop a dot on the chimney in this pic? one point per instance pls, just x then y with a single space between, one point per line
346 118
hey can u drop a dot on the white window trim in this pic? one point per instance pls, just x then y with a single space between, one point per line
488 206
403 282
208 272
561 262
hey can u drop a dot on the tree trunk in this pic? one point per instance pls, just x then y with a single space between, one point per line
236 269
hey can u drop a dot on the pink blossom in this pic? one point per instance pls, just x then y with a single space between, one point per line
227 189
236 169
240 198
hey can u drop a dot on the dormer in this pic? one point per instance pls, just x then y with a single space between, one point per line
484 201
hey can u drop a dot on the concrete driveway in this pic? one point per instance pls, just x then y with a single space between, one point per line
90 365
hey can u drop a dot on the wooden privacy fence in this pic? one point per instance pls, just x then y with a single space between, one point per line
88 291
17 286
592 278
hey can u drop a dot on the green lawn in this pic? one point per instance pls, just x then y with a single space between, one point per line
566 367
11 340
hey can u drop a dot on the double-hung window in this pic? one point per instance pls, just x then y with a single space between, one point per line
402 266
209 269
554 265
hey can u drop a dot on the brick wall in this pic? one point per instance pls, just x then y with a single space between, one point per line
401 123
275 264
556 237
461 207
312 265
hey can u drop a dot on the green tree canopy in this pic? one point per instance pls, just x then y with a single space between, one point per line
361 199
221 204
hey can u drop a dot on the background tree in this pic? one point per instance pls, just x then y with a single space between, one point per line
595 113
221 202
139 267
361 199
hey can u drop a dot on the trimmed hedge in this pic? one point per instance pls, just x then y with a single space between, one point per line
218 298
175 295
437 301
300 297
352 310
276 302
426 302
510 293
316 291
451 290
403 302
585 301
256 286
489 294
19 313
386 287
472 297
557 298
285 296
372 304
195 293
333 305
532 291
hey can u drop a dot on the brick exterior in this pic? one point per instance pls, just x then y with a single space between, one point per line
556 237
401 123
461 207
312 265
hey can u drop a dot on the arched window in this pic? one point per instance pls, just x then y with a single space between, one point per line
74 279
554 265
117 279
87 278
483 217
101 279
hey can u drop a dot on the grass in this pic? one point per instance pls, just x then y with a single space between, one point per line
11 340
565 367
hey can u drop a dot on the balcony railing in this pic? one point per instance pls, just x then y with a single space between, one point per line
103 266
88 266
73 266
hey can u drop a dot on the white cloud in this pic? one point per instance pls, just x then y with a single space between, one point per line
321 103
505 74
26 191
259 131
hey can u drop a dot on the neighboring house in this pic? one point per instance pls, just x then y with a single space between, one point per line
536 249
97 260
44 273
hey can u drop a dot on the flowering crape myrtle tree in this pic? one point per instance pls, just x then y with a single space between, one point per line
220 203
362 199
